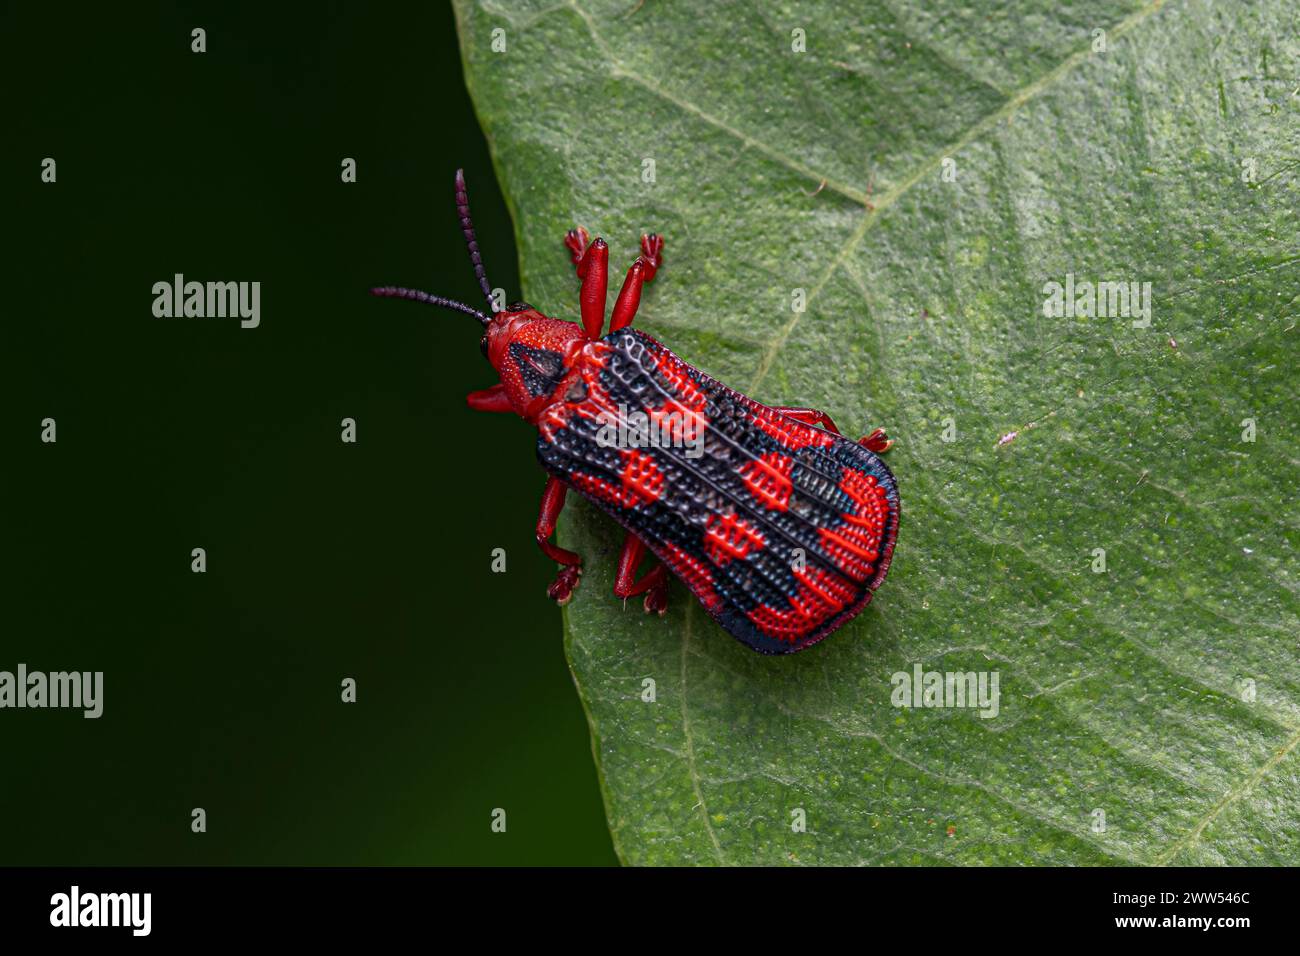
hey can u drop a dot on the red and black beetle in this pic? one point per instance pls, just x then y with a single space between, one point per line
779 525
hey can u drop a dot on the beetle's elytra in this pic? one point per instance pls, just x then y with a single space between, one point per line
780 526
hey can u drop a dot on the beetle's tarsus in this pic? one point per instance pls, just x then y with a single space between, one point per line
656 600
877 441
652 248
575 240
566 582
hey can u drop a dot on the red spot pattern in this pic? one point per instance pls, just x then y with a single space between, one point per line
642 478
820 594
832 589
852 548
553 419
728 537
674 374
768 480
642 482
686 407
790 433
678 423
597 488
556 416
855 545
694 573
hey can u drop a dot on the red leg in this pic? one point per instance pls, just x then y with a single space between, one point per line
652 247
654 584
629 298
571 564
642 271
877 441
809 416
576 242
492 399
595 285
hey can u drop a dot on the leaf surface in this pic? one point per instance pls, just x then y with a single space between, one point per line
920 174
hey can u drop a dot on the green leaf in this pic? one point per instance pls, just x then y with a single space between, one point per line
922 171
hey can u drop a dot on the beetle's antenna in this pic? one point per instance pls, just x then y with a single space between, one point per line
467 227
391 291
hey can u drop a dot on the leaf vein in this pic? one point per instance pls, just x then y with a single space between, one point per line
892 195
1232 796
618 69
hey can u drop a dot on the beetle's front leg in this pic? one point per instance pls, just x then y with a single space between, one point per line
575 240
561 590
654 585
877 441
492 399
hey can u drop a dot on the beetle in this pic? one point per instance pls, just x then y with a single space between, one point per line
780 526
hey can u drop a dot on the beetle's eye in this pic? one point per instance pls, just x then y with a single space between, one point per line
577 391
483 345
518 307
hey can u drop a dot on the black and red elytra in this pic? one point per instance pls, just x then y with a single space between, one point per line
781 527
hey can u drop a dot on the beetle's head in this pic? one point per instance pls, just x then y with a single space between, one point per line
531 352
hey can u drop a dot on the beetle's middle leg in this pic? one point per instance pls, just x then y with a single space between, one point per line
570 562
642 271
654 584
809 416
877 441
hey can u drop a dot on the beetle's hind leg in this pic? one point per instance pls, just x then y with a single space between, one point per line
654 584
877 441
570 562
809 416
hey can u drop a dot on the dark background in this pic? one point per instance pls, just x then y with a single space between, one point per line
325 560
